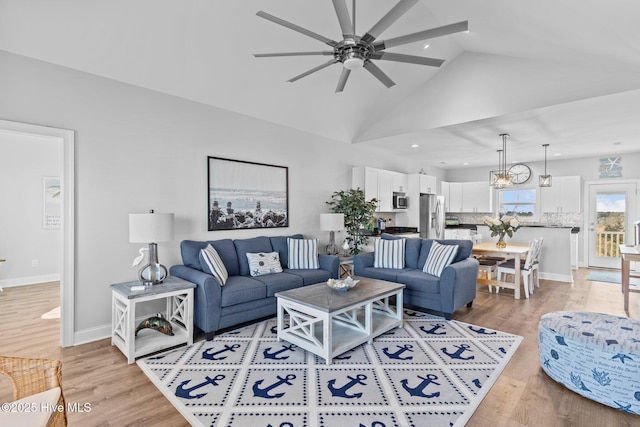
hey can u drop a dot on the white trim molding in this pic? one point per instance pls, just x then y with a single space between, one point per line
67 183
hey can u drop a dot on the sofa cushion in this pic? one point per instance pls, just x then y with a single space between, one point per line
279 282
279 244
263 263
439 257
412 248
310 277
303 254
388 253
252 245
389 274
418 281
212 263
240 289
190 251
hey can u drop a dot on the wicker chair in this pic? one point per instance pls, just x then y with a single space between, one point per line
32 376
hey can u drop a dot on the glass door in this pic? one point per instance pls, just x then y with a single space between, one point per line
612 211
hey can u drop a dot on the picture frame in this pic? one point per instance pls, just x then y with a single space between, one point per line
243 194
51 202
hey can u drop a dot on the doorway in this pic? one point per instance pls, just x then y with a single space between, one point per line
67 276
612 209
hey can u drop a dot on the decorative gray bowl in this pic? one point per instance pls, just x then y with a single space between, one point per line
342 285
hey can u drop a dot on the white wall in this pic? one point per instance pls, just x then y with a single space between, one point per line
24 162
137 150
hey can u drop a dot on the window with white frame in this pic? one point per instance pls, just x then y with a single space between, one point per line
520 202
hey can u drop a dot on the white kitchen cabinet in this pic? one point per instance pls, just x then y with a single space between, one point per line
476 197
399 182
444 191
562 197
455 197
466 196
377 184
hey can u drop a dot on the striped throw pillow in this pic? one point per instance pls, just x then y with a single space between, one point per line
389 253
303 254
214 264
439 257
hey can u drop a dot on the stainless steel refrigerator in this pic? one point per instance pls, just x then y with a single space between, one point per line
431 216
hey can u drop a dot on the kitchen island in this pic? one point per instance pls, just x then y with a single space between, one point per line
555 260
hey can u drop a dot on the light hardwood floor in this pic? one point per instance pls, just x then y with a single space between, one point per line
121 395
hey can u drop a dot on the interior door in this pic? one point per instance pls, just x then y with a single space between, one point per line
612 211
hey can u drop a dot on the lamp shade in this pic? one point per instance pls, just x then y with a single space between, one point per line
150 227
331 221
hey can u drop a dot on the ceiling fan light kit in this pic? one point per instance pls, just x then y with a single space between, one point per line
355 52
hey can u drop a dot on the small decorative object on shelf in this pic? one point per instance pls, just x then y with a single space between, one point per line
342 285
502 225
157 323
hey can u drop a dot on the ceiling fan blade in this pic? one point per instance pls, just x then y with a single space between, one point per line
353 12
343 79
385 22
313 70
268 55
423 35
343 17
297 28
378 74
411 59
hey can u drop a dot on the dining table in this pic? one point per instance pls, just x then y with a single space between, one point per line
628 253
517 251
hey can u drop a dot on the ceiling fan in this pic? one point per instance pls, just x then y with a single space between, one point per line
359 51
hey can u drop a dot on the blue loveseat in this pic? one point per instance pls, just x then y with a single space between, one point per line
243 298
455 287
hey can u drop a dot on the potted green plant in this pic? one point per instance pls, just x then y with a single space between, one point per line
358 214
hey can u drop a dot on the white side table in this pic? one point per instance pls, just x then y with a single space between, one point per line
179 311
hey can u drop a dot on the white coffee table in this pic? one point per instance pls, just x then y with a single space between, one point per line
328 322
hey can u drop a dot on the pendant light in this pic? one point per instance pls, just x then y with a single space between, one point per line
504 178
545 180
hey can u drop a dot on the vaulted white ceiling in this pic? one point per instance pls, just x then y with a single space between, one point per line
565 72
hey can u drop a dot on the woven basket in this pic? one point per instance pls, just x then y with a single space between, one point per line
32 376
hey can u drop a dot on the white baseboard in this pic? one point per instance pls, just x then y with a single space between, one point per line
92 334
557 277
31 280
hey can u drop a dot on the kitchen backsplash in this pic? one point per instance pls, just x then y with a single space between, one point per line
564 219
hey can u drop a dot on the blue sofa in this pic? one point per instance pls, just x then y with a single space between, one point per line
243 298
445 294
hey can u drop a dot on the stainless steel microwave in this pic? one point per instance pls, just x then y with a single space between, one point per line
400 201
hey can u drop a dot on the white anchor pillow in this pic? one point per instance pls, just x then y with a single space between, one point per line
262 263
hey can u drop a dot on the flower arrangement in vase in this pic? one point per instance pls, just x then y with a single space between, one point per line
502 225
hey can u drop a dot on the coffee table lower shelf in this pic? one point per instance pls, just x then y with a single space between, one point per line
329 334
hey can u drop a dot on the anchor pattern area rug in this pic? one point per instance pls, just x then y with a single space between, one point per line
431 372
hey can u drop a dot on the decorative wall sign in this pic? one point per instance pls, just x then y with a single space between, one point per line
52 202
246 195
610 167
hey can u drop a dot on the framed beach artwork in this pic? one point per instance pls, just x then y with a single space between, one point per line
246 195
52 202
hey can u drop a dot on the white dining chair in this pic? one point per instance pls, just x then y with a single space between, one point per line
526 269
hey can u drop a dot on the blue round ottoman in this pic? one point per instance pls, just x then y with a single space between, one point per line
593 354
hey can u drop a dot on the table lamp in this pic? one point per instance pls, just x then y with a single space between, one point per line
151 228
331 222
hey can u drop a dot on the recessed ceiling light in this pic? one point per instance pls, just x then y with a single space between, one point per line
466 163
426 45
414 146
557 154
